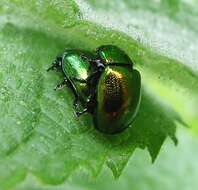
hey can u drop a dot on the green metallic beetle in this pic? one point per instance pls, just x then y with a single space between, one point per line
76 69
104 84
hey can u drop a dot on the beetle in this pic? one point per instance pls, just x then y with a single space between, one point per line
75 67
104 83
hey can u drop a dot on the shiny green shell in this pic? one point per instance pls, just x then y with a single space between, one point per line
75 67
118 91
110 54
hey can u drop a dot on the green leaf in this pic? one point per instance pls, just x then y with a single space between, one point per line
167 173
167 27
39 131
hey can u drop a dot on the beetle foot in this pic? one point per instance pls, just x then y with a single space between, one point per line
79 113
75 103
56 64
61 85
51 68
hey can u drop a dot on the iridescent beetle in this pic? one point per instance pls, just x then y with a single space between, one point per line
104 84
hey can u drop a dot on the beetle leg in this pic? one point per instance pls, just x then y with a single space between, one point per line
79 113
75 102
61 85
56 64
73 88
75 105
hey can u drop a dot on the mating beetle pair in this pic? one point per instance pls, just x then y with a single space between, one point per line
104 84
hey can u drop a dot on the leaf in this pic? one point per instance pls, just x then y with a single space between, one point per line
166 173
39 132
167 27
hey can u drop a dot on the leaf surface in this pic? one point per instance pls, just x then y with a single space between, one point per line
39 132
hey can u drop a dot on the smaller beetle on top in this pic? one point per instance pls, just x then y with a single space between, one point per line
104 84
